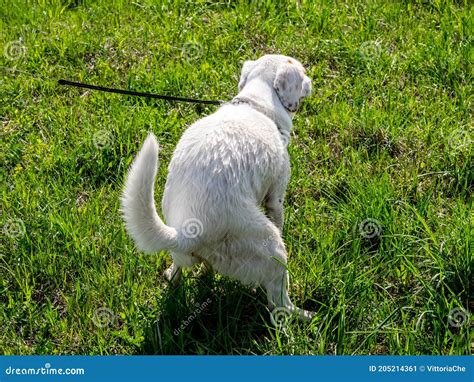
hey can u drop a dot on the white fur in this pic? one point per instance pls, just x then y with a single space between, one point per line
225 169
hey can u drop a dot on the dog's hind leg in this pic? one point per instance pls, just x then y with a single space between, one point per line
277 280
259 257
173 274
277 295
180 260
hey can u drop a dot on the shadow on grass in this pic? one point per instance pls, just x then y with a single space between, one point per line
207 315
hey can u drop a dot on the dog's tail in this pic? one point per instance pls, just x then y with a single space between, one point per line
138 206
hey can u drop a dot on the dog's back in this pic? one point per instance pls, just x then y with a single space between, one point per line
222 164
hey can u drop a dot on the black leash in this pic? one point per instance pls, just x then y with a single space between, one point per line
118 91
138 94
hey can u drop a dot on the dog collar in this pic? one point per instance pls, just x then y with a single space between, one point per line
254 105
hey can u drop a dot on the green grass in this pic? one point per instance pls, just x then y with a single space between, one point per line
386 136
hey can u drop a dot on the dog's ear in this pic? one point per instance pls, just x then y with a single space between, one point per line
291 85
246 69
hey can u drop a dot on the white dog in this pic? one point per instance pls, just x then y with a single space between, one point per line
223 199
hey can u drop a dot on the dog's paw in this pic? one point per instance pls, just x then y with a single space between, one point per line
305 315
173 275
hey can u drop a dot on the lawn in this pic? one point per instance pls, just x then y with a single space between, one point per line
378 213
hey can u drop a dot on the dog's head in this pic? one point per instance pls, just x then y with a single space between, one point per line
286 75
